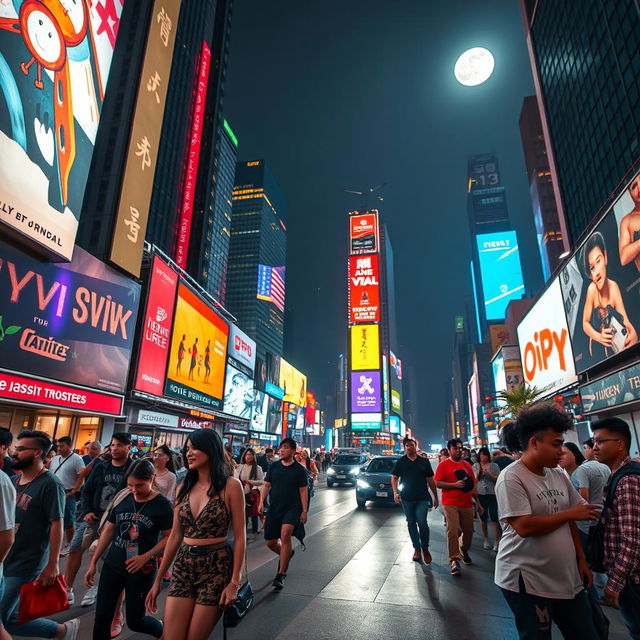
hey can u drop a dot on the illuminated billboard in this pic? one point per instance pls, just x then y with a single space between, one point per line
293 383
238 393
395 368
363 232
242 348
365 391
198 351
365 347
54 67
601 284
271 285
364 289
366 421
500 271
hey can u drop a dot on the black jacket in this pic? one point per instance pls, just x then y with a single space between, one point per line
92 489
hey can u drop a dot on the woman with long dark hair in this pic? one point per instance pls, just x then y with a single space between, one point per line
135 532
206 573
252 478
312 470
571 459
487 473
165 471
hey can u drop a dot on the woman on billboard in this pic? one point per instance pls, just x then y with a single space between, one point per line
604 318
629 244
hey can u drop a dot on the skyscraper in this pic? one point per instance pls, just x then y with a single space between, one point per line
257 256
587 73
552 243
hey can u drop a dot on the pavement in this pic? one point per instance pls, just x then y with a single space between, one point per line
357 580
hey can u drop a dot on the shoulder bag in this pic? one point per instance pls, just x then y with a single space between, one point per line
235 613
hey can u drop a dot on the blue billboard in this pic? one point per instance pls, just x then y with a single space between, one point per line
500 271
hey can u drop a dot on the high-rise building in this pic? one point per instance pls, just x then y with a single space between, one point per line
257 256
552 243
587 73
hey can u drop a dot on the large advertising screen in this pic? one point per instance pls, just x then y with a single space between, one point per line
366 395
500 270
545 347
156 328
395 368
198 351
271 285
293 383
70 322
601 284
365 347
242 348
364 289
54 67
238 393
363 232
258 414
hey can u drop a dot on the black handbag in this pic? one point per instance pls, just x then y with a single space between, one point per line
235 612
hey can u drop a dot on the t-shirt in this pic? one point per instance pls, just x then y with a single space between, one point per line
592 475
485 485
113 481
138 527
7 506
86 459
285 486
37 504
67 469
166 483
413 475
547 563
503 462
450 471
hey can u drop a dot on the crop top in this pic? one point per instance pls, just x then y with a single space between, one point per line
213 521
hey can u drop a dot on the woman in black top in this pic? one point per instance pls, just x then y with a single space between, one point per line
135 532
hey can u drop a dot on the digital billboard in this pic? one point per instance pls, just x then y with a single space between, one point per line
395 368
601 284
545 346
364 289
394 424
258 414
198 351
238 393
271 285
474 398
365 347
293 383
156 328
70 322
368 421
363 232
241 347
498 335
500 271
272 409
54 67
366 394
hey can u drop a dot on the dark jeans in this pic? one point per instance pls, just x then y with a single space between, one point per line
416 512
533 615
136 587
630 609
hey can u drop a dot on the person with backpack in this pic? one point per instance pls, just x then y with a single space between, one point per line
620 520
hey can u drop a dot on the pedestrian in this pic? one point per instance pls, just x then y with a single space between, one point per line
134 536
228 451
502 458
6 438
312 470
7 529
38 538
92 451
165 467
287 486
67 466
251 476
541 567
415 475
265 459
487 473
206 574
106 478
444 453
621 520
455 477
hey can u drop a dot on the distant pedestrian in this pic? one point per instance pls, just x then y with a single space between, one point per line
487 473
165 468
502 458
251 476
92 451
6 438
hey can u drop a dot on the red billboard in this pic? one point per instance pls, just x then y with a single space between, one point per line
156 330
310 409
364 288
363 232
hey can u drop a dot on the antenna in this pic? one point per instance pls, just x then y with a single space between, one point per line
364 195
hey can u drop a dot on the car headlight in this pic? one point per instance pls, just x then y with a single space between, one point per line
331 471
354 471
363 484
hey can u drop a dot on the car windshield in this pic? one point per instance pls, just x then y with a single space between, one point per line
347 460
381 466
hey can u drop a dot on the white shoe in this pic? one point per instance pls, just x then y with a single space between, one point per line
486 545
73 628
71 597
495 546
90 597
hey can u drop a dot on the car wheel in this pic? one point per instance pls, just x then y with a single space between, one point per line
329 483
361 502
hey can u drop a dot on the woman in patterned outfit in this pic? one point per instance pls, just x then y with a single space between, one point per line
206 573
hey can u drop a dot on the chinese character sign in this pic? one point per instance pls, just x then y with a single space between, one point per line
365 347
364 288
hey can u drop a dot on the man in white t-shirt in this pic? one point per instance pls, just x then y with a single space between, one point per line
7 528
540 566
67 466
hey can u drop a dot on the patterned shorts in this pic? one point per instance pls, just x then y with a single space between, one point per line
202 578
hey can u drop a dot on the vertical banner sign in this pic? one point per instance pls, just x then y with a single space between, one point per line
364 289
363 232
184 230
365 347
156 330
133 210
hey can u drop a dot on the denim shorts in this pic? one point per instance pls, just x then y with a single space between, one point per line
84 536
70 507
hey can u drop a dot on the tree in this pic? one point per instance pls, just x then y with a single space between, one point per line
518 398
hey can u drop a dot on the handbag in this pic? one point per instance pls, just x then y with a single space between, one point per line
253 500
38 602
235 612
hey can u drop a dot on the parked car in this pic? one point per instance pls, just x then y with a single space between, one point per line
374 481
345 469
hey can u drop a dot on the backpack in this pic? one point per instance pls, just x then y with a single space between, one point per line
595 541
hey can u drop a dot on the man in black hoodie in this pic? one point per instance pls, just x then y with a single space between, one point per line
104 481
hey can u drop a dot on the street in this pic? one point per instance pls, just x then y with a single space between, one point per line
356 579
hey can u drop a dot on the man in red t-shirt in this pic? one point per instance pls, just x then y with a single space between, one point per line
455 477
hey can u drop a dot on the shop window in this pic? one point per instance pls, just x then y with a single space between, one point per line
63 427
5 419
88 429
46 424
22 419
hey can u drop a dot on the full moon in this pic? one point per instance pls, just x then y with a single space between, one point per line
474 67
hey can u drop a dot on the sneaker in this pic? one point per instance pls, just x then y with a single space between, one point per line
72 629
486 544
426 556
495 546
71 597
116 625
416 555
64 552
278 581
90 597
455 568
466 558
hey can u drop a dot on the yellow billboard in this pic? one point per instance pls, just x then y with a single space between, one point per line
294 384
499 335
365 347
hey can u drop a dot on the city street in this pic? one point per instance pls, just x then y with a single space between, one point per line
356 579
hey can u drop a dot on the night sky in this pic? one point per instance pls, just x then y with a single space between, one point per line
348 94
